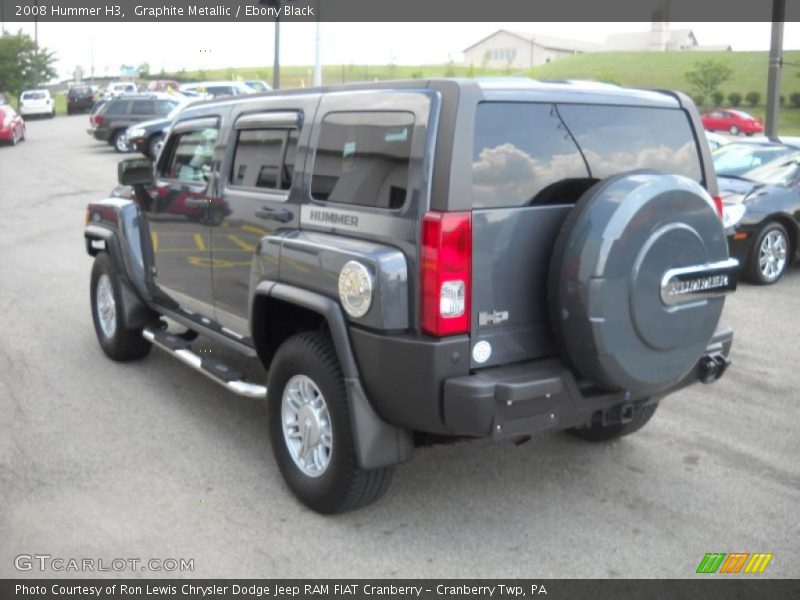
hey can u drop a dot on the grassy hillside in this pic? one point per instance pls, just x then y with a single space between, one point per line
668 69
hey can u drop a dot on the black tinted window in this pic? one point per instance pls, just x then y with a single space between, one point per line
143 107
117 108
526 153
362 158
264 158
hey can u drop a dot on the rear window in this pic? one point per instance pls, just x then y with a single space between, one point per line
80 91
524 152
362 158
33 95
143 107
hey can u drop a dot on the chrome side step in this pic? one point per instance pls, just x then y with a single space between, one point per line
213 369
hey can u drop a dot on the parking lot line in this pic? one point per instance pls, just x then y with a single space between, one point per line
199 242
241 243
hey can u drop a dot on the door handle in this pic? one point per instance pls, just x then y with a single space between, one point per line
271 214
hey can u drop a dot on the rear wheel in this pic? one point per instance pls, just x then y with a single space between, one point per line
734 130
597 432
117 341
311 431
770 254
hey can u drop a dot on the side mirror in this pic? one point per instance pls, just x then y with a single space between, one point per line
135 171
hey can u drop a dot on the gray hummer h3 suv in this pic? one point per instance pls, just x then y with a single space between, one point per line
421 260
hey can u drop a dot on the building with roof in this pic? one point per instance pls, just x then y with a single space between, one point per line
517 50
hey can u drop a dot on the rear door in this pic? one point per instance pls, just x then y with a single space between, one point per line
178 216
258 178
530 163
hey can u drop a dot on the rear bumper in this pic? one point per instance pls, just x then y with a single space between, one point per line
37 110
522 399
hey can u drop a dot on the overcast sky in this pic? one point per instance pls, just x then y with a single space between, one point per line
220 45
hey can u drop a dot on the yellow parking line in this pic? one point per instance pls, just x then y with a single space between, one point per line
254 229
199 242
154 238
241 243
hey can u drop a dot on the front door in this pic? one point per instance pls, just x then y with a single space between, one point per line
178 217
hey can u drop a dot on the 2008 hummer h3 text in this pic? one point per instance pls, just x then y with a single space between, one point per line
452 258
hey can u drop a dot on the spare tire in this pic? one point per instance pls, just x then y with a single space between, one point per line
636 280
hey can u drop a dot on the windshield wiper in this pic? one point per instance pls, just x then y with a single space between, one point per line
732 176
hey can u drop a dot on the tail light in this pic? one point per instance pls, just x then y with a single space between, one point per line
718 205
97 120
446 260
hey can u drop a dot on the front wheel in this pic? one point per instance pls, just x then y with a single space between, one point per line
119 142
153 146
734 130
597 432
311 431
117 341
770 254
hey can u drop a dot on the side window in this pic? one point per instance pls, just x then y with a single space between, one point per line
362 158
190 155
264 158
117 108
164 107
143 107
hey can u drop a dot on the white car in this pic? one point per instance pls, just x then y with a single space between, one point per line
37 102
115 90
215 89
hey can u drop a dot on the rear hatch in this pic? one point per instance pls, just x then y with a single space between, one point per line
531 161
35 100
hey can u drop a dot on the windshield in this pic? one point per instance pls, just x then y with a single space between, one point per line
737 159
782 171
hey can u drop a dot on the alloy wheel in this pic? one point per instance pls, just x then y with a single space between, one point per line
106 306
307 428
772 255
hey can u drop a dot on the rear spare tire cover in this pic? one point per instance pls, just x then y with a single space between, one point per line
605 289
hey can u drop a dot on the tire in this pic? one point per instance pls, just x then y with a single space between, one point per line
152 145
22 139
770 255
117 341
596 432
328 479
734 130
14 139
118 141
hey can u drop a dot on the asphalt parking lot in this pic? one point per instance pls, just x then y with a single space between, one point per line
151 460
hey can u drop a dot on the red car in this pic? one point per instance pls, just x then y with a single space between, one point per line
12 127
732 121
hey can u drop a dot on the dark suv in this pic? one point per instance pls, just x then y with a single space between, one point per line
80 99
109 123
419 261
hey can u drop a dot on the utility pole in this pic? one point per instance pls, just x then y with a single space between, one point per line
36 44
775 64
317 51
276 65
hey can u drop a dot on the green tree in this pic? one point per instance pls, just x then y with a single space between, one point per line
19 61
708 75
144 70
